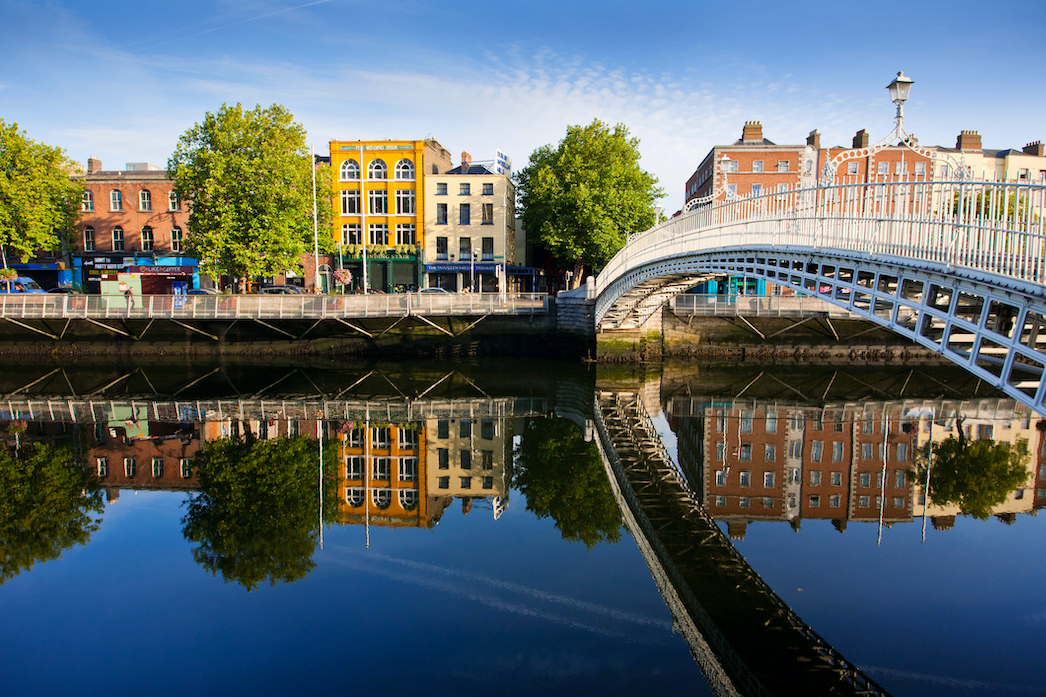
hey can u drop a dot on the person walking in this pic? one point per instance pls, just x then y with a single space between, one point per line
129 295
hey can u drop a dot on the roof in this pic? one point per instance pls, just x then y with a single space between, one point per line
764 141
471 169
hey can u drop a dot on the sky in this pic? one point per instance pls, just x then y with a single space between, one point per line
122 81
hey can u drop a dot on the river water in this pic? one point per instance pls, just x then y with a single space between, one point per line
468 536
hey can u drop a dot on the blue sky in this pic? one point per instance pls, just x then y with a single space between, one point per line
123 80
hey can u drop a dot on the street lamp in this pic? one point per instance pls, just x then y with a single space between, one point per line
899 89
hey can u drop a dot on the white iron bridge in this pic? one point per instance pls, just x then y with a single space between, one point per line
956 266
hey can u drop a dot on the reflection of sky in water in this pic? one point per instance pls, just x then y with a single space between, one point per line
473 605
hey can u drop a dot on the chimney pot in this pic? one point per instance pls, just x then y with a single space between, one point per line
752 132
861 139
968 140
93 165
466 160
1034 148
814 139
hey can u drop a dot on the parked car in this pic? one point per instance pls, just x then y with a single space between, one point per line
202 291
441 291
281 290
22 284
65 290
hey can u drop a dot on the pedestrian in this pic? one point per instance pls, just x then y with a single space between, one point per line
129 295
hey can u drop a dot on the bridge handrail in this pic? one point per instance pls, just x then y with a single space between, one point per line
268 307
993 227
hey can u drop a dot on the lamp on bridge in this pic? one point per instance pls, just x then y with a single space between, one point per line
899 89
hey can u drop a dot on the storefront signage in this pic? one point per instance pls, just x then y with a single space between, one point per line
378 147
458 267
162 270
503 162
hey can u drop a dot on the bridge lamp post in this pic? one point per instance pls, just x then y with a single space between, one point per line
899 89
472 272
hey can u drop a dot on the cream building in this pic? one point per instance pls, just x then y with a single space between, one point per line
470 228
468 459
1025 166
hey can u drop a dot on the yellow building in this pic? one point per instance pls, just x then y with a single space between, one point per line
379 208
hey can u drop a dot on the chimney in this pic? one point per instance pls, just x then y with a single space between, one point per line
1035 148
753 132
93 165
861 139
466 162
968 140
814 139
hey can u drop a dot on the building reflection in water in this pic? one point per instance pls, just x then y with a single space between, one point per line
764 461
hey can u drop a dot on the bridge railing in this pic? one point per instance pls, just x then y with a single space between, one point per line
268 307
993 227
755 306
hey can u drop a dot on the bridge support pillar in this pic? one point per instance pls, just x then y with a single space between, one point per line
646 343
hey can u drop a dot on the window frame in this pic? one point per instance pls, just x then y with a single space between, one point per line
115 201
377 170
145 200
406 168
88 236
117 238
464 214
349 168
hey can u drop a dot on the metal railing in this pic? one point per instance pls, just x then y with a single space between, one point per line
268 307
993 227
756 306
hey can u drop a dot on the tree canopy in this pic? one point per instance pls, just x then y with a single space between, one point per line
46 506
977 475
256 516
581 199
39 203
248 178
562 476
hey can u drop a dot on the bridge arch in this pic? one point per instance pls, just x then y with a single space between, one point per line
957 267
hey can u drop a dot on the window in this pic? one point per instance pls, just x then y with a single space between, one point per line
851 168
441 249
351 234
381 468
945 171
147 239
354 467
464 214
744 502
129 466
816 448
464 189
443 454
1022 175
350 170
405 202
745 454
771 422
757 189
176 239
378 233
88 239
835 478
487 245
900 168
864 479
782 165
782 188
408 469
405 233
833 501
815 477
465 428
378 202
866 451
465 459
380 437
173 204
145 200
115 200
441 188
466 482
408 499
746 421
729 165
157 467
868 426
443 429
769 452
757 165
920 169
350 201
746 478
117 239
898 501
837 451
818 421
185 467
768 502
487 429
899 479
768 480
87 204
405 170
720 423
720 501
488 482
488 189
720 478
441 214
884 168
815 501
103 467
382 498
902 452
464 248
795 448
862 501
720 450
377 170
487 459
488 214
443 482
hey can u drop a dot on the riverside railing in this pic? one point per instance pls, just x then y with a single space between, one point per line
268 307
756 306
997 228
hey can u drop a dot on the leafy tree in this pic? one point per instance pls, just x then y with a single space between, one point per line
976 475
562 476
46 506
584 197
248 178
255 517
38 201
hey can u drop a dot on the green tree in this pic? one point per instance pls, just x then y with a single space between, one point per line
255 517
46 506
562 476
248 178
976 475
39 203
582 199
